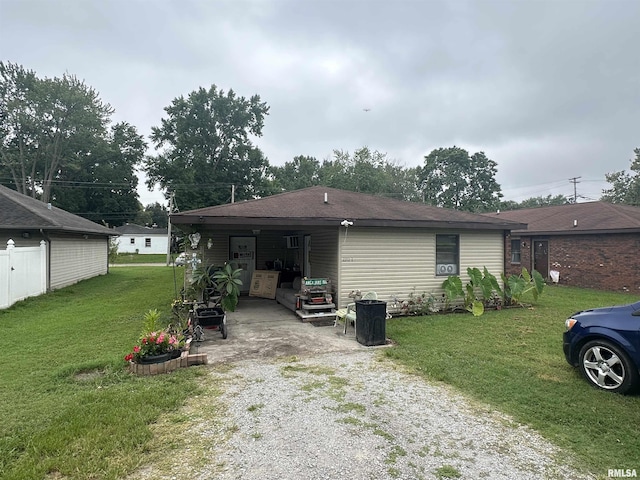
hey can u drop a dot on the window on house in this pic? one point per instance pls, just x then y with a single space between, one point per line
515 251
447 254
132 241
147 242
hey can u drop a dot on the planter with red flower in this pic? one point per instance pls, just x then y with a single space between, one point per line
155 347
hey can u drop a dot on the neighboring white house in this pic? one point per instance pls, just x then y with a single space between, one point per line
76 248
142 240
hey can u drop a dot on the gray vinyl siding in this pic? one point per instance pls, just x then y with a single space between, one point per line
397 262
324 255
482 249
218 254
75 259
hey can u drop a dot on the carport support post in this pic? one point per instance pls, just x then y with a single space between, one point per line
169 230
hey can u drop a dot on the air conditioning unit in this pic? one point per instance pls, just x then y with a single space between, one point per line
447 269
293 241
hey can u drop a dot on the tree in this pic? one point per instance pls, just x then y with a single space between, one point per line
204 148
451 178
153 214
302 172
534 202
363 171
102 184
625 186
46 126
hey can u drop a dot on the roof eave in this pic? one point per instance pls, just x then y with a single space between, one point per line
574 232
328 222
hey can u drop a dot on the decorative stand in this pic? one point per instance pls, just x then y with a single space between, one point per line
315 301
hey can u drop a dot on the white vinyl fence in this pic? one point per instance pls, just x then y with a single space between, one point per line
23 272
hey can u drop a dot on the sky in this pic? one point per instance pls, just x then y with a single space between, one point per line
549 90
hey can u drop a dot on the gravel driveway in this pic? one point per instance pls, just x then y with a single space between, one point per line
353 415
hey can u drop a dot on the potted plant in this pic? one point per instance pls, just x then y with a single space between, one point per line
155 345
228 283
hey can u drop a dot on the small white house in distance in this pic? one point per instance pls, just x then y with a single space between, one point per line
143 240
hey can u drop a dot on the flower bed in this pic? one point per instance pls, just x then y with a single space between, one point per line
184 360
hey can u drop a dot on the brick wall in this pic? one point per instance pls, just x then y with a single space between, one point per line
603 262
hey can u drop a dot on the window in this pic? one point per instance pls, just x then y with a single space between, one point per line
147 242
132 241
447 254
515 251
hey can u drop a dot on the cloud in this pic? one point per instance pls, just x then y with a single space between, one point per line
546 89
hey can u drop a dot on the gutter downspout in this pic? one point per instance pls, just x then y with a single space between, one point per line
48 240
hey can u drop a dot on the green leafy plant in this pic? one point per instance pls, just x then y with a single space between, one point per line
515 286
151 321
113 250
452 287
227 281
200 282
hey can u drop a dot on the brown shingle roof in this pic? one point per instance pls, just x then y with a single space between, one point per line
20 212
577 218
133 229
306 207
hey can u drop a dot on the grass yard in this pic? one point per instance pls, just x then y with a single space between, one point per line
124 258
69 408
512 360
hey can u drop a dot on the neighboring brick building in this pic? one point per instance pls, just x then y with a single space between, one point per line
592 245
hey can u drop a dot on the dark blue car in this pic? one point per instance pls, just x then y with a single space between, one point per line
605 344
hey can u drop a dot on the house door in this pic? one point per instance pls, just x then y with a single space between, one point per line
541 257
242 252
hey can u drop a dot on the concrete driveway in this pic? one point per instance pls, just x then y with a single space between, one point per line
263 328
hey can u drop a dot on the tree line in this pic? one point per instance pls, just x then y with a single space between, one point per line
58 144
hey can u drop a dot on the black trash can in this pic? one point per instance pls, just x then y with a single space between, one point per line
371 317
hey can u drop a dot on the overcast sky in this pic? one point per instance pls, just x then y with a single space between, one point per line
550 90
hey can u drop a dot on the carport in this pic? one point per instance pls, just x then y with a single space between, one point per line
261 328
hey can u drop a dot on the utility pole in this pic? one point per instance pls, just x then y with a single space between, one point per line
233 193
575 181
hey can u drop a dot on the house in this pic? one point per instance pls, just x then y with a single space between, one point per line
591 244
359 242
77 248
138 239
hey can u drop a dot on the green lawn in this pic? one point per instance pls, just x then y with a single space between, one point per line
512 360
123 258
69 408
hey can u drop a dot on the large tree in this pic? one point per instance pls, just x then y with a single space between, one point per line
102 184
301 172
452 178
46 126
364 171
625 187
204 148
153 214
534 202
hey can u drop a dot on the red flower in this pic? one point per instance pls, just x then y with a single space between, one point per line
144 341
128 358
136 349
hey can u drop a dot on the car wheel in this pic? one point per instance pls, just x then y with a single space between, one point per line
607 366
